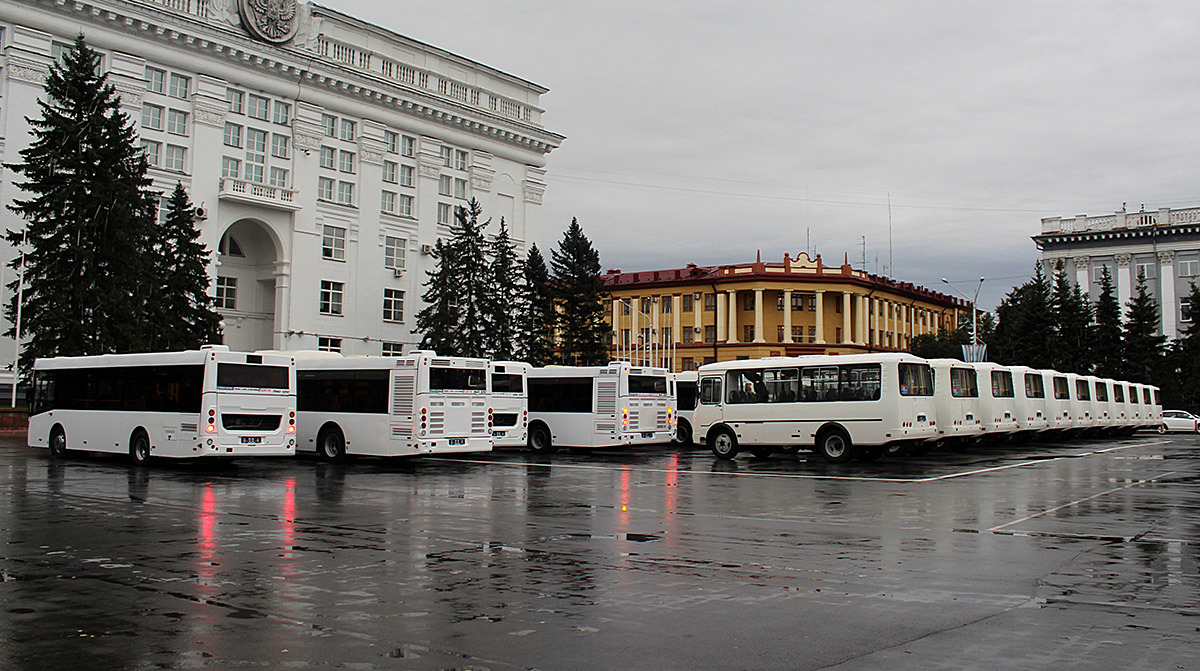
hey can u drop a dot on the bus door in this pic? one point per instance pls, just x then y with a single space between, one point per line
710 409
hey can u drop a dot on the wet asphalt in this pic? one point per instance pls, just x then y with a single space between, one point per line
1069 555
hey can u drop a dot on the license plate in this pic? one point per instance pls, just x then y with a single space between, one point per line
647 434
498 434
251 440
458 441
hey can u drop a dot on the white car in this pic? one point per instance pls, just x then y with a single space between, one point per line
1179 420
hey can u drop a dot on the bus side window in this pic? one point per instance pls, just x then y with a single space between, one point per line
710 391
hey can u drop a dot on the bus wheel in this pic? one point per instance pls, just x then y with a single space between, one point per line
331 445
683 433
896 450
834 446
762 451
723 443
539 441
58 443
1162 428
869 454
139 448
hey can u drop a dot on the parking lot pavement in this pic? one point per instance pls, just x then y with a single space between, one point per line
1066 555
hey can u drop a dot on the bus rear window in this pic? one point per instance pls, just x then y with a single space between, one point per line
1102 391
1082 391
251 376
1034 387
1002 384
1061 391
647 384
916 379
502 383
1119 393
457 379
963 383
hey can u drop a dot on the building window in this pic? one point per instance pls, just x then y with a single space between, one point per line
445 213
812 302
460 188
393 305
156 80
406 175
328 158
256 154
1188 268
689 301
625 307
152 117
226 293
283 112
233 135
348 130
625 342
710 302
445 184
330 125
408 145
748 332
179 86
393 349
346 162
387 202
331 297
406 205
174 158
259 107
236 100
346 193
460 160
279 177
689 335
389 172
837 334
779 334
393 141
1185 310
324 188
667 336
710 334
152 150
1098 272
667 304
747 300
333 243
231 167
329 345
646 304
177 122
1145 270
279 145
797 302
797 334
689 363
447 157
812 334
394 249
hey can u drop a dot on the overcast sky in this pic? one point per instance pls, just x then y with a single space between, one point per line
704 131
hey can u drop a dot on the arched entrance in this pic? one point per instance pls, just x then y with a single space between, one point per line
248 256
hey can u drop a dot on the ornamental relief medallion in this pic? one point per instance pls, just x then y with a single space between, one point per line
272 21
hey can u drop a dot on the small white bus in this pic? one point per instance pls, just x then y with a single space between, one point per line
840 406
956 400
998 406
510 403
1058 403
201 403
685 389
392 406
1031 405
598 406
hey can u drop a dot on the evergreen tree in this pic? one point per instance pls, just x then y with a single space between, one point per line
1184 361
942 345
1072 325
471 274
438 321
507 295
1143 347
1024 324
579 291
89 220
181 303
537 312
1106 330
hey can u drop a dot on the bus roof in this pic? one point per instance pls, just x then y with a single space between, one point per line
161 358
812 360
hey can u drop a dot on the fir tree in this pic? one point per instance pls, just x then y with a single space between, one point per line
181 304
1184 360
1024 324
471 275
579 292
1143 347
1072 325
89 220
505 300
537 312
1106 330
438 321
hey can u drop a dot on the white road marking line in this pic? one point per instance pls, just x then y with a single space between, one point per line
1083 500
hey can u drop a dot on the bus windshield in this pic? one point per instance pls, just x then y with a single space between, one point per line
647 384
457 379
915 380
251 376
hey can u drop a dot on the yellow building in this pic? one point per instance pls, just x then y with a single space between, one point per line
685 317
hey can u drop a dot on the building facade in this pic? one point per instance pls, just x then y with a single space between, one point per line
325 155
1162 246
685 317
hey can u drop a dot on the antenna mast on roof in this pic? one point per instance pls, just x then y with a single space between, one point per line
864 253
891 268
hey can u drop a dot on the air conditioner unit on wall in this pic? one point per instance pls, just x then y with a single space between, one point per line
426 249
398 272
200 213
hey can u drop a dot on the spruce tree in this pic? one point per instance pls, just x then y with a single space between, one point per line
1181 387
579 291
537 312
89 220
438 321
1072 325
1025 324
471 273
1143 347
506 297
1106 330
182 304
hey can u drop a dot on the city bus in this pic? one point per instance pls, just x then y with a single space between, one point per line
840 406
1030 404
380 406
510 403
209 402
956 401
598 406
1058 403
685 387
998 405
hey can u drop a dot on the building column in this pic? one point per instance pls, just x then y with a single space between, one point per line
787 316
845 317
872 322
719 298
1166 283
676 306
758 316
616 326
1082 278
733 310
861 314
902 330
1124 281
697 318
820 318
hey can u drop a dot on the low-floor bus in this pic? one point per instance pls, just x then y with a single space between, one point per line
838 406
381 406
599 406
201 403
510 403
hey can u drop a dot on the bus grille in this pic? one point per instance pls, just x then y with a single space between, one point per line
188 427
606 397
606 427
661 420
401 431
437 422
250 422
404 392
633 420
478 421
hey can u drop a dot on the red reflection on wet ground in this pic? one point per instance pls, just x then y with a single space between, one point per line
206 538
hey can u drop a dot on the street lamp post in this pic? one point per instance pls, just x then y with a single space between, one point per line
974 313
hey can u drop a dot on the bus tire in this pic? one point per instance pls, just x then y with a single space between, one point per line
331 444
762 451
834 446
58 442
896 450
869 454
139 447
683 433
539 440
723 443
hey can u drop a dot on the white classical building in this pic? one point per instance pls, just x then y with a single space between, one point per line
1163 246
325 154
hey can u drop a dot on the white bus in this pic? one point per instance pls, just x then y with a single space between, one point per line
998 405
956 401
1058 403
598 406
840 406
392 406
510 403
202 403
685 388
1032 411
